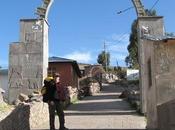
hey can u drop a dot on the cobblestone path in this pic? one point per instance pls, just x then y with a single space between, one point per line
104 111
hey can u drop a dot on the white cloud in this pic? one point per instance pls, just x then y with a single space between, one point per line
84 57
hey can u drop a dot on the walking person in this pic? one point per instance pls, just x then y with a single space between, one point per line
56 97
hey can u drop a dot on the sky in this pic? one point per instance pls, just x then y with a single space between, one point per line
79 28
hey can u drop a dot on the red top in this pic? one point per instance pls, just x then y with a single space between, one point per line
61 90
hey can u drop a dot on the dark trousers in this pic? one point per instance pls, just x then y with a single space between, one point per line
58 107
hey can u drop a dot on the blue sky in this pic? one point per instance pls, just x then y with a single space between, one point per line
78 28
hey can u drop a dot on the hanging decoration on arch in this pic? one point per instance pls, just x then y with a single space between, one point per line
43 10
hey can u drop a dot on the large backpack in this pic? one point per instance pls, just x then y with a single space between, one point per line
48 82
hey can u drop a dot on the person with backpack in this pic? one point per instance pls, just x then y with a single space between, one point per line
55 95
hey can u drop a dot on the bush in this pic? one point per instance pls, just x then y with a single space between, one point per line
135 82
121 73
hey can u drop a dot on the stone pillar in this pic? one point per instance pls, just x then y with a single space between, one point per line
150 26
28 59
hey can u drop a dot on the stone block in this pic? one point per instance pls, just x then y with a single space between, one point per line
29 47
15 72
33 83
1 95
14 49
27 59
22 97
171 107
30 27
163 115
166 119
13 94
32 71
14 59
15 83
154 24
165 88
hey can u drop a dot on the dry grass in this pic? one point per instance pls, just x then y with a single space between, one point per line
5 107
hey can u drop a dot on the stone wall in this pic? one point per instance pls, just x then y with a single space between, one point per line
26 117
89 86
166 118
148 84
159 80
164 66
72 94
18 119
39 115
94 88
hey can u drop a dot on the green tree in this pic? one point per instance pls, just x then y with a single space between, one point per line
132 59
104 59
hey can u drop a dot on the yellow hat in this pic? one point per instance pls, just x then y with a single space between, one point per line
48 78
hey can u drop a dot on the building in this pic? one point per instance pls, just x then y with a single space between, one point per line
159 68
67 68
82 67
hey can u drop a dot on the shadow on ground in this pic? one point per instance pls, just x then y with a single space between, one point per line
112 89
102 113
94 129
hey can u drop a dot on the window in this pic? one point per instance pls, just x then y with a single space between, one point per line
149 72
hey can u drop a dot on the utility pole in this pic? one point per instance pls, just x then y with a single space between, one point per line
117 63
106 58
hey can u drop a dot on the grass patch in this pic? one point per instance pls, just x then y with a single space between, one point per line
4 107
74 100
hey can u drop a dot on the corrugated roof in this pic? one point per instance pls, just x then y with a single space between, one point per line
158 38
59 59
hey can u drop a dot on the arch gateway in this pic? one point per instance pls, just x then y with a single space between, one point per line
28 59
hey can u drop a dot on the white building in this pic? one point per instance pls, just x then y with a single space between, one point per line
132 74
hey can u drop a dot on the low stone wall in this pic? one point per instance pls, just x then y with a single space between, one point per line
94 88
72 93
26 117
166 118
1 95
88 86
131 92
39 114
18 119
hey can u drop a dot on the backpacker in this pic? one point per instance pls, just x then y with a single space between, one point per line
48 85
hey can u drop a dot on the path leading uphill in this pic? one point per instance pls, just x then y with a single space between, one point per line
104 111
